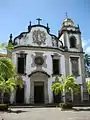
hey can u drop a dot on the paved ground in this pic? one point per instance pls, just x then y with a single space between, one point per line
45 114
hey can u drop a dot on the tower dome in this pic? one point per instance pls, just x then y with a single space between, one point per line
68 22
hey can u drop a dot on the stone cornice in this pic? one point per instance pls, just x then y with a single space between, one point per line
43 49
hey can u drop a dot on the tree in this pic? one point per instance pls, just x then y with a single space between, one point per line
88 86
64 85
7 69
87 64
6 46
9 86
8 77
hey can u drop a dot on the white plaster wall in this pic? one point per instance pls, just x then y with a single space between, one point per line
87 79
12 97
49 68
48 62
14 59
50 93
67 39
62 39
29 61
26 80
62 65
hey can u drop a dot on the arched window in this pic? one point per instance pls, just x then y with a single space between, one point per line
72 42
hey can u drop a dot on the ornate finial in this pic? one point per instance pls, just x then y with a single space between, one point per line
10 40
66 15
47 25
30 23
48 29
29 27
78 26
38 19
10 36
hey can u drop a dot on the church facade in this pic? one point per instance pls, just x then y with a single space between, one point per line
40 56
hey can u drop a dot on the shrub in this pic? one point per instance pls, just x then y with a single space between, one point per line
66 105
3 107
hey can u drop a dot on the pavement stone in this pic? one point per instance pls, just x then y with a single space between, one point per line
45 114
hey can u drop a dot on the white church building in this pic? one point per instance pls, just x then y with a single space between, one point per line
40 56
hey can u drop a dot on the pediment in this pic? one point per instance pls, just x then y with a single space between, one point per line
38 35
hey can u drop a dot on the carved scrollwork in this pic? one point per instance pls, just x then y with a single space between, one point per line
39 37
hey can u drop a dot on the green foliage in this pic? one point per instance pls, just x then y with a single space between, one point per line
8 77
3 107
7 69
66 105
10 47
6 46
88 86
18 80
87 59
64 84
56 88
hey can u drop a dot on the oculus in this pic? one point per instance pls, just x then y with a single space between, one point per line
39 60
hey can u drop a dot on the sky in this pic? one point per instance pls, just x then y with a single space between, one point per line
15 16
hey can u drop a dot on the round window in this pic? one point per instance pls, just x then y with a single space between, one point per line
39 60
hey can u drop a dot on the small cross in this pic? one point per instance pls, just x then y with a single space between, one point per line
38 19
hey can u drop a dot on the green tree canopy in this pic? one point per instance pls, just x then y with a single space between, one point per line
64 85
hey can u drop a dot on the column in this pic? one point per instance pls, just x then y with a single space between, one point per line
12 97
27 90
72 95
46 91
81 93
31 92
50 93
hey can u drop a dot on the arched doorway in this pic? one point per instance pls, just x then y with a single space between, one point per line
39 87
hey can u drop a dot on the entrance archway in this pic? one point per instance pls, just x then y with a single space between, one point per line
39 88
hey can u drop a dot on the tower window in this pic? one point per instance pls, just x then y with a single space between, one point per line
55 66
72 42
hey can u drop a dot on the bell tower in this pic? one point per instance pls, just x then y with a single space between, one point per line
70 36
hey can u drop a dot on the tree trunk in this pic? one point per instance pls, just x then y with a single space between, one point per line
64 98
2 97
